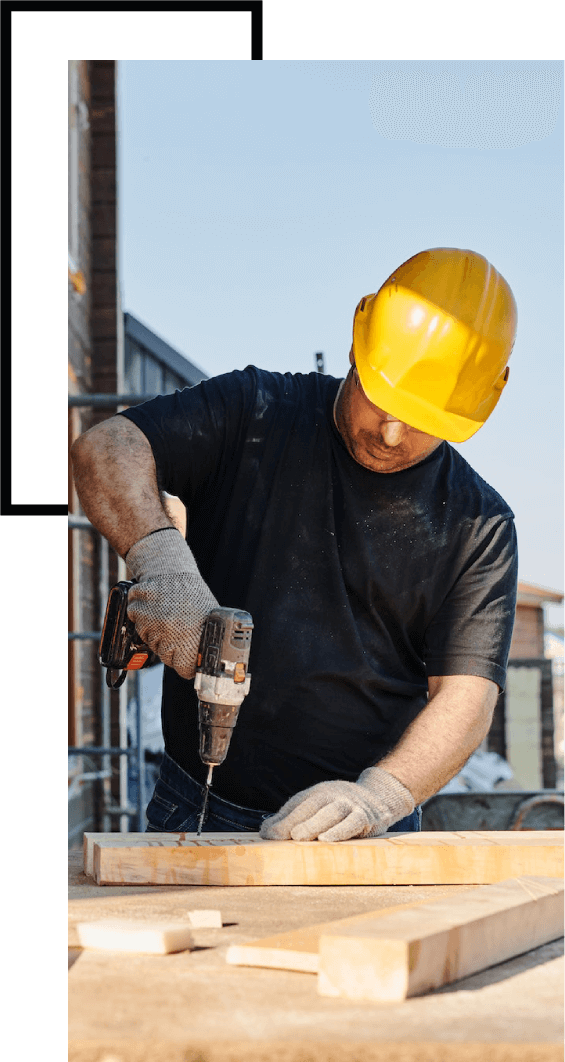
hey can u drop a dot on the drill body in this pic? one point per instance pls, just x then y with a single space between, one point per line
222 680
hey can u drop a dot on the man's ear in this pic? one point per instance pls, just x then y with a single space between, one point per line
351 356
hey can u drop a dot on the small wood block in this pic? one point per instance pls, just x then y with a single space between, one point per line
156 938
411 952
471 857
205 919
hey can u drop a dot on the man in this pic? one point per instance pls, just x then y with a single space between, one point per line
380 570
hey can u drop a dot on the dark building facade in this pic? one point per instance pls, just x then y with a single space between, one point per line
151 365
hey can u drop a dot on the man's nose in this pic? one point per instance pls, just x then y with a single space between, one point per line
392 431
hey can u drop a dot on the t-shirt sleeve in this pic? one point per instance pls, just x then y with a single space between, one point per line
193 433
471 632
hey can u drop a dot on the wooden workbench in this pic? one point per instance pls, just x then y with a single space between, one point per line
194 1007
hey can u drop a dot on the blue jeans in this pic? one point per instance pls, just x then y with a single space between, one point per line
177 800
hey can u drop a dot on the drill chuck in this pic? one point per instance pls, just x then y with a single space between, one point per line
216 723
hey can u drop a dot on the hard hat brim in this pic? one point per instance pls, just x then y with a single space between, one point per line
416 411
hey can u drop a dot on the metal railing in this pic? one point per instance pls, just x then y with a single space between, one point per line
107 401
106 751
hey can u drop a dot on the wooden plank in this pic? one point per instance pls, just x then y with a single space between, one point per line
462 858
121 840
411 952
299 948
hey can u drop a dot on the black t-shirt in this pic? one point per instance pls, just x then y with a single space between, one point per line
360 584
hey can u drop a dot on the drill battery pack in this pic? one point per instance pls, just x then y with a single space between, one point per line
121 649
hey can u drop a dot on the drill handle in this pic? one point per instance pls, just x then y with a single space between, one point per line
121 649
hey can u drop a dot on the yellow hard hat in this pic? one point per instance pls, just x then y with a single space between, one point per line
432 345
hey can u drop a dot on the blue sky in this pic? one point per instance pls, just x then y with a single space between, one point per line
260 201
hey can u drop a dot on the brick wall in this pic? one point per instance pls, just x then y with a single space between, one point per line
94 342
81 597
80 363
106 325
527 638
82 611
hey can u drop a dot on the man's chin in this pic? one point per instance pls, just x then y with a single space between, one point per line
377 459
379 462
384 455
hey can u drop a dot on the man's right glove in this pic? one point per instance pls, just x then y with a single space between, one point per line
170 600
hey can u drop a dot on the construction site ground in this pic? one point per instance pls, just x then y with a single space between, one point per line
193 1007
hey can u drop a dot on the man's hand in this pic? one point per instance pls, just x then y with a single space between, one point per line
337 811
170 600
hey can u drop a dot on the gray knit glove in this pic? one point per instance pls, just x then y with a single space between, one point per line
170 600
337 811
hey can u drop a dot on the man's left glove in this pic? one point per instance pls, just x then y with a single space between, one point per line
337 811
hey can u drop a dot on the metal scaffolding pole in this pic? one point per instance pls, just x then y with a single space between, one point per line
103 580
104 401
140 755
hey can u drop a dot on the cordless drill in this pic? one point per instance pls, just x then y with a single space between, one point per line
222 680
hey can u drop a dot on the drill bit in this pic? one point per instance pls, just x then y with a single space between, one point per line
205 800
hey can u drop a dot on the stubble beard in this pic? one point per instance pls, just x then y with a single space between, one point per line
360 444
357 443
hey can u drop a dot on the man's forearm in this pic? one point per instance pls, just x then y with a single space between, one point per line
116 481
440 740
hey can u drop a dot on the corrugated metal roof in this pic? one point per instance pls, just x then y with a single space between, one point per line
162 351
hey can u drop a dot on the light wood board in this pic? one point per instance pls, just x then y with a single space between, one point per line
410 952
298 949
443 858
